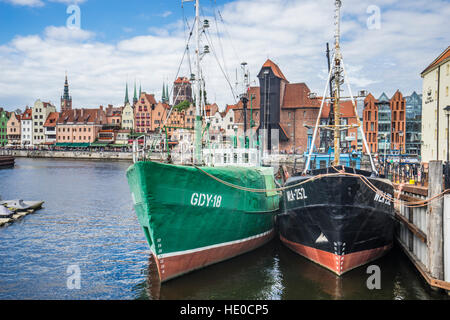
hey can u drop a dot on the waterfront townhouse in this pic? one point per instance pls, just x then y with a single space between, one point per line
398 122
123 137
252 114
435 102
79 126
384 123
211 109
128 117
147 114
41 110
26 125
4 117
13 129
370 123
50 128
114 116
393 125
413 124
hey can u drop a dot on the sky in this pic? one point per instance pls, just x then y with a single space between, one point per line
104 44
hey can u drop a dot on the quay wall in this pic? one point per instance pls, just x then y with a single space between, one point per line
94 155
297 162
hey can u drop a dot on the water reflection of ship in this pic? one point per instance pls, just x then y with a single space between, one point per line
153 283
253 276
315 281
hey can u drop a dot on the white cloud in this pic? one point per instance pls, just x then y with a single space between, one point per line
166 14
31 3
292 33
40 3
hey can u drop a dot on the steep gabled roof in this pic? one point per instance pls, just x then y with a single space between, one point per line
441 58
150 98
52 119
383 98
27 115
254 92
275 69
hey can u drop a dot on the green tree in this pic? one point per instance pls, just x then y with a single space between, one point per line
182 106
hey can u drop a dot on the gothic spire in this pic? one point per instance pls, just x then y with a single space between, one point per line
126 95
135 99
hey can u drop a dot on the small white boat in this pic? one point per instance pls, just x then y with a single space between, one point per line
5 213
20 205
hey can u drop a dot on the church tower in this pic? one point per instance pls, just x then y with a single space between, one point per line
165 93
135 98
126 96
66 99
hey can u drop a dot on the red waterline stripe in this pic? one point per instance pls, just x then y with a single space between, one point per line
170 267
339 264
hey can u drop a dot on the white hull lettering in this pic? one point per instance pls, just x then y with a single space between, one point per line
206 200
297 194
383 198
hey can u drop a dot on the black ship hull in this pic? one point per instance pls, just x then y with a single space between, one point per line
337 221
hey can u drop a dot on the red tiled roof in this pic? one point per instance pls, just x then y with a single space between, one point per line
275 69
81 116
150 98
52 119
182 80
27 115
255 101
296 95
443 56
46 104
231 106
347 110
208 108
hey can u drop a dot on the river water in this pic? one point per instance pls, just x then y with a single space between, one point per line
88 231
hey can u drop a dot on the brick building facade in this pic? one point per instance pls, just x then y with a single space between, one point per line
279 104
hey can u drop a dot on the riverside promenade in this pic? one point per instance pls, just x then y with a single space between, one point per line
71 154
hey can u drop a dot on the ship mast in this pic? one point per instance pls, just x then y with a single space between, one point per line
337 70
198 117
338 74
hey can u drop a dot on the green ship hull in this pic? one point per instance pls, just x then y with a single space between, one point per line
191 220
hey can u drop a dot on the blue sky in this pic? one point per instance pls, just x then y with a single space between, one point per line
143 40
112 20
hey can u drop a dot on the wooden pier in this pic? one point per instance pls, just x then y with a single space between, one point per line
424 231
6 162
15 217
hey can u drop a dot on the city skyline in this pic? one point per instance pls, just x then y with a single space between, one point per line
107 52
